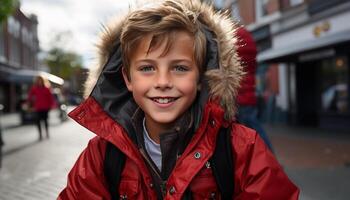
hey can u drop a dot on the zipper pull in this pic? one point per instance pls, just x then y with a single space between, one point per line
163 188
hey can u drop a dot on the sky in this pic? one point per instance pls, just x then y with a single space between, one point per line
82 19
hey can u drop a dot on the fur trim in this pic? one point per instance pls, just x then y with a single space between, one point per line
223 83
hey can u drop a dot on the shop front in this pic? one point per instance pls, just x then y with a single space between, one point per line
317 59
322 90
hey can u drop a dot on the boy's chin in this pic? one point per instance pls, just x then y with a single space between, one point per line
164 119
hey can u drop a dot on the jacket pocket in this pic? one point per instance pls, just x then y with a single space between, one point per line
203 186
128 189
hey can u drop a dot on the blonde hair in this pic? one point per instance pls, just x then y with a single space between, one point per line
162 21
43 81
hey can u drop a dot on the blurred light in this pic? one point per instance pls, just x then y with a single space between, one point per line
339 62
63 107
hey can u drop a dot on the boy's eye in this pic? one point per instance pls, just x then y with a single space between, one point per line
146 68
181 68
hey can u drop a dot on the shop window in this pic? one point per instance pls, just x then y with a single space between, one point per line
317 6
335 91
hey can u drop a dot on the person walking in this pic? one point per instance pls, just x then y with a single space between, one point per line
247 99
41 100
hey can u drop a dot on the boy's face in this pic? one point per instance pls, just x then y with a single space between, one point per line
164 86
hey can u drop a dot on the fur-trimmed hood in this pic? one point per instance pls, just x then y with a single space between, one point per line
223 68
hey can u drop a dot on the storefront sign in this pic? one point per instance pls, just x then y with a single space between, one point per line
321 28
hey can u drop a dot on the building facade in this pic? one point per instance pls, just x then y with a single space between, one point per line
19 47
303 58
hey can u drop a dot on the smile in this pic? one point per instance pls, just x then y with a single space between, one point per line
164 100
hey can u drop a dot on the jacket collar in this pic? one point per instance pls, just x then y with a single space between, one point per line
91 115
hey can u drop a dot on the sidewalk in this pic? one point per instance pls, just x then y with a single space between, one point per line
317 161
34 170
300 147
9 120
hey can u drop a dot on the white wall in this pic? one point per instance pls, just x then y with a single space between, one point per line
282 97
338 23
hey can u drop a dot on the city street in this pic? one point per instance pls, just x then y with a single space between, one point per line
317 161
38 170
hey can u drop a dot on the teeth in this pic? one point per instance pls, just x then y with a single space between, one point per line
163 100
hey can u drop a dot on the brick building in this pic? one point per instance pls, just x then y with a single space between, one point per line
303 50
19 47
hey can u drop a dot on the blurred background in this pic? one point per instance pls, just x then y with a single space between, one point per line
303 87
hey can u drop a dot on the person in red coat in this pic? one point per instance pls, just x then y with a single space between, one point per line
41 100
246 99
165 86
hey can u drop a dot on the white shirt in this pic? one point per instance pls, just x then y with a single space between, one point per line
152 148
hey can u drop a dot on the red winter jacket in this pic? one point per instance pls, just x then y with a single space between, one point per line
41 98
257 173
109 112
247 52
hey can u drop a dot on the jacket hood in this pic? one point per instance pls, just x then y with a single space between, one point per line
223 69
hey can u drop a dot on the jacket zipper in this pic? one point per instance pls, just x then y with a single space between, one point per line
150 163
156 171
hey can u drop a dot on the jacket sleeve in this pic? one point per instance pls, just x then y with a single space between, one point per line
86 180
258 175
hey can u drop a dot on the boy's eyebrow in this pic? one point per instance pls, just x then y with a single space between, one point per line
172 61
182 60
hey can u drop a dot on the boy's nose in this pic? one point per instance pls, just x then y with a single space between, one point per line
163 81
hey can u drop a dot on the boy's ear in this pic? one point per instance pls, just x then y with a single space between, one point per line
126 79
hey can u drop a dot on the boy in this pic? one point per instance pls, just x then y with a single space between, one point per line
168 79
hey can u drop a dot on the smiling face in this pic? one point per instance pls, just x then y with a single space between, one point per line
164 86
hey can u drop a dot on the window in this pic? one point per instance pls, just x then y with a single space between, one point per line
2 44
27 38
295 2
335 92
13 27
235 11
261 8
15 51
219 3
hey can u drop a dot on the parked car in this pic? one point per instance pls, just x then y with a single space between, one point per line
335 98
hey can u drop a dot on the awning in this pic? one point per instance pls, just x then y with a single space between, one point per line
279 54
24 76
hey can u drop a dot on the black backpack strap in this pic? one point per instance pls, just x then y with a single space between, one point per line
113 166
222 164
